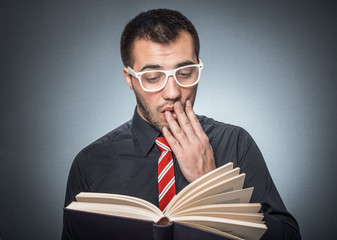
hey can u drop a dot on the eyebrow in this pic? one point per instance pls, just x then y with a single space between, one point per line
150 66
154 66
185 63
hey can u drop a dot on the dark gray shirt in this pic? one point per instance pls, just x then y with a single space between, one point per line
125 162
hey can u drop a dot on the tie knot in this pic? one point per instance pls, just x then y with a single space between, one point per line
162 144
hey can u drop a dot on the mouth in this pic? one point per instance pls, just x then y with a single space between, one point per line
171 110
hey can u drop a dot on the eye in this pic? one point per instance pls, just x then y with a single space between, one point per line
185 72
184 75
152 77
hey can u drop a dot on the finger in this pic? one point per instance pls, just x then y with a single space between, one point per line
194 121
174 144
184 122
176 130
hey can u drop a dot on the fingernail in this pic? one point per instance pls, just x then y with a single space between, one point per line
188 103
179 104
168 113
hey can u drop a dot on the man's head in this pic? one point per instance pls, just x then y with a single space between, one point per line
159 40
158 25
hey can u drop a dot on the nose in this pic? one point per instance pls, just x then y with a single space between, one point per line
171 90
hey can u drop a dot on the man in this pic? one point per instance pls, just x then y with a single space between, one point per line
160 53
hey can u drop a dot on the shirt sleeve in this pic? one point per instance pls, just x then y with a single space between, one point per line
76 184
280 223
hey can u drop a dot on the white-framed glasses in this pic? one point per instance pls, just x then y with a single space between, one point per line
155 80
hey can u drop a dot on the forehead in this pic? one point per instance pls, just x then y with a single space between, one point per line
147 52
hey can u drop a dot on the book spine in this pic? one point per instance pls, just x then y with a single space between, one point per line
163 232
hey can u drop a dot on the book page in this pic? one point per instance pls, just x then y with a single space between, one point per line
248 217
207 177
116 210
242 229
237 196
231 184
205 185
117 199
220 208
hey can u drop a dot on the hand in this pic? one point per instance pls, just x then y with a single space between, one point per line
189 142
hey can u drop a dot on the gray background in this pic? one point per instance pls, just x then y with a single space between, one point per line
270 67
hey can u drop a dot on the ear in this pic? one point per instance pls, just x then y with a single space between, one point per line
127 77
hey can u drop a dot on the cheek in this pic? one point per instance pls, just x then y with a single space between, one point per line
151 101
189 93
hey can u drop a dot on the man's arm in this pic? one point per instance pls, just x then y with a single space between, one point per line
281 224
75 185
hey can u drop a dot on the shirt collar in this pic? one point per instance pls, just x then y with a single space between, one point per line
144 133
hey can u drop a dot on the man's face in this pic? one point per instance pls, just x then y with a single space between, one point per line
148 55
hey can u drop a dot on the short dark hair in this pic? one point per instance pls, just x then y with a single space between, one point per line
158 25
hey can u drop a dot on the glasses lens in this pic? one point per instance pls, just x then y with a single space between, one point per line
187 75
153 80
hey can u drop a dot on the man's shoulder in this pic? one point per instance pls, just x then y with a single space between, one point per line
121 132
227 140
209 124
220 131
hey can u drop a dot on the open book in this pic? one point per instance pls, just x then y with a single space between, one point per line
215 203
